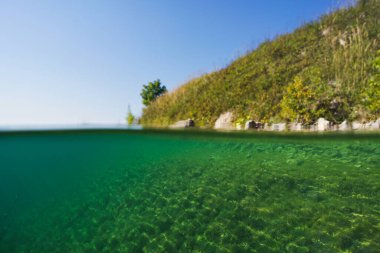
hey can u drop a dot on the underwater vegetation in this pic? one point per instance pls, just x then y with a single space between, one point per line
188 192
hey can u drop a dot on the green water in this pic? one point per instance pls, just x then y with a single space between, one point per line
152 191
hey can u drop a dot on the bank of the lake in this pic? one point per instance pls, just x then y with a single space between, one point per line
328 68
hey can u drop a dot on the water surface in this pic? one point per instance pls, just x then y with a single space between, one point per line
157 191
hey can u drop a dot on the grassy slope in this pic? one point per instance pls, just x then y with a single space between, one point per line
253 85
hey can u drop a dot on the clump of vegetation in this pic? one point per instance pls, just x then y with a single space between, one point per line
306 99
371 93
152 91
130 117
330 60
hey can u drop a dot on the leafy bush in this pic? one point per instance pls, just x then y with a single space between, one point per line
130 118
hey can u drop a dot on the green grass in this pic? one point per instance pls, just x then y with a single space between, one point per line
153 191
254 85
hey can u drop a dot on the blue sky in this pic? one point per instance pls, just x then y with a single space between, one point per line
84 61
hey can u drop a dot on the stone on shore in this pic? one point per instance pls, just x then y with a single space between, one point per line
251 124
356 125
376 125
225 121
295 126
183 124
323 124
372 125
278 127
344 126
259 125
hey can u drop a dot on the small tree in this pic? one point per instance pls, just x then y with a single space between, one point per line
151 91
130 117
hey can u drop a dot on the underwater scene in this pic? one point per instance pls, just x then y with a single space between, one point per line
182 191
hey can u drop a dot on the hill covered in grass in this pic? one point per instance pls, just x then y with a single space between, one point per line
326 68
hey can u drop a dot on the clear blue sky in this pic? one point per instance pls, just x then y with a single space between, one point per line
84 61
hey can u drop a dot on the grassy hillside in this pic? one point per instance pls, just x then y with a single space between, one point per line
323 69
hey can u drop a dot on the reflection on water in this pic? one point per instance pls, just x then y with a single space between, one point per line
156 191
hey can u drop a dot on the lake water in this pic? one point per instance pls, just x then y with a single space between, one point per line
180 191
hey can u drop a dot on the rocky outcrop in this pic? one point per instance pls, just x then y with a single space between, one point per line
225 121
183 124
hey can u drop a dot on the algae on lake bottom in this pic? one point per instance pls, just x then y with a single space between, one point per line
125 191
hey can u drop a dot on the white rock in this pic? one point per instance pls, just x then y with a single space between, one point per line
278 127
368 125
295 126
377 124
356 125
224 121
344 126
322 124
326 31
342 42
312 128
372 125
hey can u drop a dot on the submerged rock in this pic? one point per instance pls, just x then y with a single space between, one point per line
224 121
183 124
